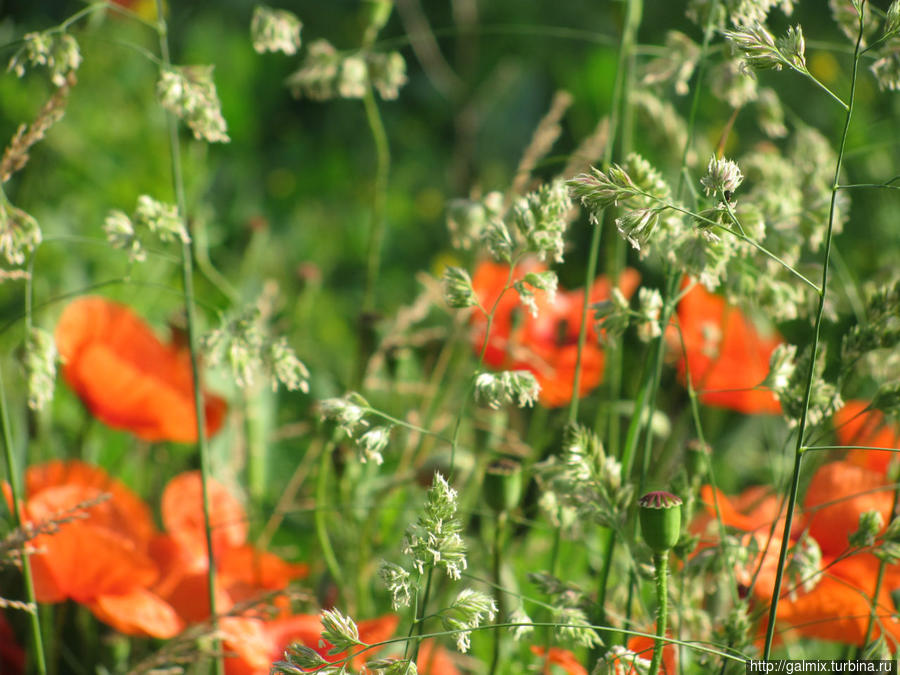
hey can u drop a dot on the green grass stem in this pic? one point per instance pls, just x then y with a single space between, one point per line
804 416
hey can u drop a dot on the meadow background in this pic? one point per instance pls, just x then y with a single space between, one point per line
283 212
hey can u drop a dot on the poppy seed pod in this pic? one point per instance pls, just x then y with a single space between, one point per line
660 520
503 484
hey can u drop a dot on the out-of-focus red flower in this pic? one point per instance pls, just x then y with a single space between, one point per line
837 605
126 377
837 495
101 559
546 345
242 571
182 516
253 644
754 510
12 656
644 646
728 358
557 656
855 425
435 660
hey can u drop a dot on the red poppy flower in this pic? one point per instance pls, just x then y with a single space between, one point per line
253 644
837 495
837 608
644 646
754 511
126 377
728 357
836 605
855 425
243 572
435 660
556 656
546 345
100 559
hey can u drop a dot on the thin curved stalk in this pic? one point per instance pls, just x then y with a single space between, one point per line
187 276
321 526
804 416
376 232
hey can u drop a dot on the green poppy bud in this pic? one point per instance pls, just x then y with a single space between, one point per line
660 520
503 484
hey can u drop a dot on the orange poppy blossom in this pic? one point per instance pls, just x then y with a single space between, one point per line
854 424
643 646
728 358
754 511
112 559
546 345
557 656
638 644
101 558
251 645
126 377
242 571
837 602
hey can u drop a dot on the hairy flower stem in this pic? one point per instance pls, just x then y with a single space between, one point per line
15 489
804 416
646 400
661 565
187 275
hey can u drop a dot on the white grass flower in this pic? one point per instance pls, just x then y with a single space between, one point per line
275 30
722 177
19 233
190 93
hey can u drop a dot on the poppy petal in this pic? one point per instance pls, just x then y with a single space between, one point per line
855 424
126 377
546 344
123 512
837 495
435 660
82 562
728 358
182 514
138 612
560 657
246 572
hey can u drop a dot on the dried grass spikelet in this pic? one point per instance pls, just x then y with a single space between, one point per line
16 156
545 135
